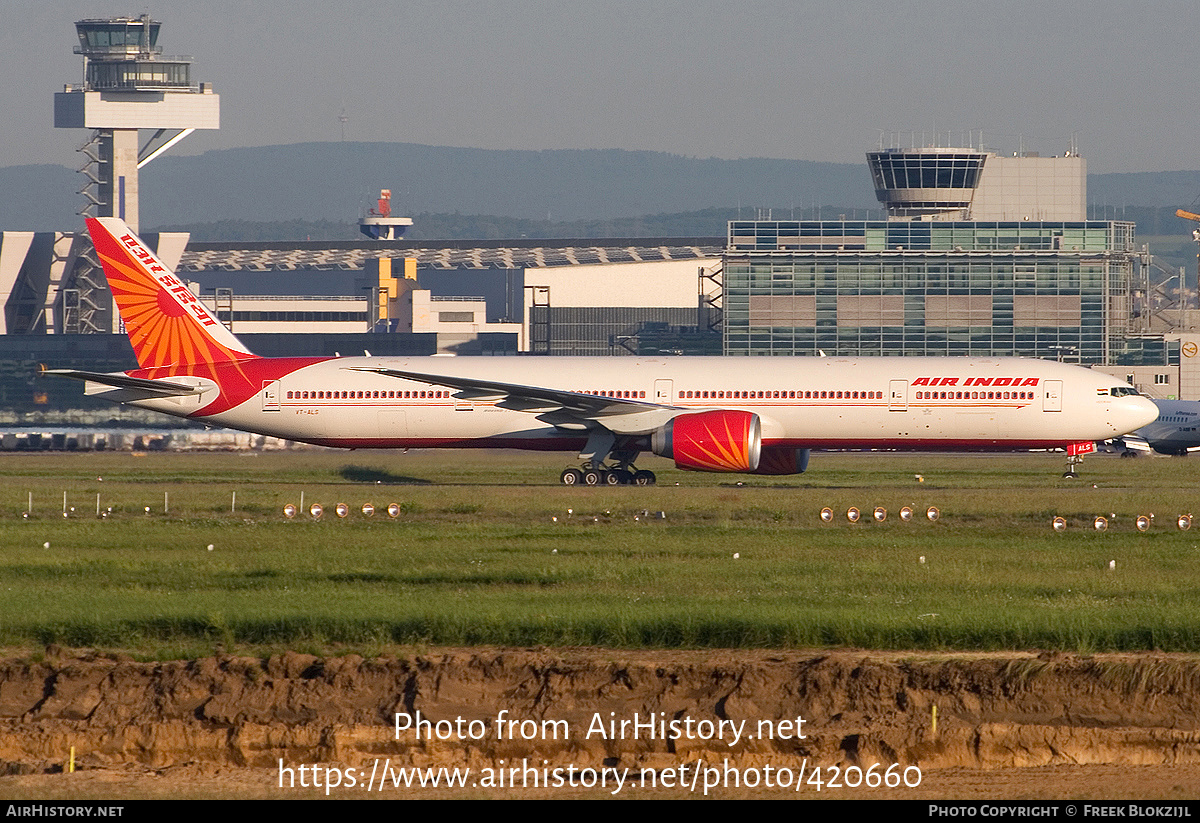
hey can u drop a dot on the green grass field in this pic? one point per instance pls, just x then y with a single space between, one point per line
485 552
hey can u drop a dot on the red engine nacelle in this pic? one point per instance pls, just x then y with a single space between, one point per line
782 460
712 441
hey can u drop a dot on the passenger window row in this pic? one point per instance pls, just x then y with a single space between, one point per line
789 395
366 395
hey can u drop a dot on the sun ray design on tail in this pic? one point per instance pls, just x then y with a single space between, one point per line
167 325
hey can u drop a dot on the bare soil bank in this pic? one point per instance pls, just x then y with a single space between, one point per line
1129 724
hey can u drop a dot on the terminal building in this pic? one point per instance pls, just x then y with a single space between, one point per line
1060 290
981 255
965 265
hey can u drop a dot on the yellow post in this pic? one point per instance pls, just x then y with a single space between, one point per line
935 720
71 769
387 286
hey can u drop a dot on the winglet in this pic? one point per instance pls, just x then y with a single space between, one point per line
166 323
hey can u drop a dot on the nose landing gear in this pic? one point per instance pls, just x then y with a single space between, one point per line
1075 453
1072 462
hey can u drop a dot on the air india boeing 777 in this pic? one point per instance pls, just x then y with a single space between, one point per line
719 414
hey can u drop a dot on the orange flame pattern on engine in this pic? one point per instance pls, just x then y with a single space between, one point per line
717 441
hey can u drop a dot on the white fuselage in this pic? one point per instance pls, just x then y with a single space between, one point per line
883 402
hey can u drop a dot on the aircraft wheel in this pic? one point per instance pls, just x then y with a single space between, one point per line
612 478
1070 475
571 477
624 478
644 478
591 477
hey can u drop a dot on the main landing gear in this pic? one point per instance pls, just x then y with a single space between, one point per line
588 476
602 446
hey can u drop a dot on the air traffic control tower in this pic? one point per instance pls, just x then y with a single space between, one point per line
50 281
128 85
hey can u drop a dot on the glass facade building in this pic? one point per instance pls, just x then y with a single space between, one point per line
1057 290
594 331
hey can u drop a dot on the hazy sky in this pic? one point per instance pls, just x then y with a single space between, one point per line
807 79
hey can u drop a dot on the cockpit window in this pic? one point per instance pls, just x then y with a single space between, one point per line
1123 391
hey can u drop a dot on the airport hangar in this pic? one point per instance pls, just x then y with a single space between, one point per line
981 254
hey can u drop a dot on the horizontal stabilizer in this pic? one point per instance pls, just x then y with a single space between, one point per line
160 388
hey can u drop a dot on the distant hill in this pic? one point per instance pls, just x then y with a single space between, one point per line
1177 189
335 181
475 192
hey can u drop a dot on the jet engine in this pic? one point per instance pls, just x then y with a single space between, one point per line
711 441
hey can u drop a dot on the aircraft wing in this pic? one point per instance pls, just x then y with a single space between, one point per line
569 410
158 388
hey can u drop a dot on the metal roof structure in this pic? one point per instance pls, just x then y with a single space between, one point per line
502 254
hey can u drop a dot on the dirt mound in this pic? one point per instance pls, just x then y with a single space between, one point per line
596 708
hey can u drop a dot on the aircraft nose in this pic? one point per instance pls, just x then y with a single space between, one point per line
1139 411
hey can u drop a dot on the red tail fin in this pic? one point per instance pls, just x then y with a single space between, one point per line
166 323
